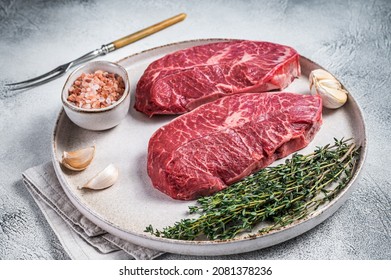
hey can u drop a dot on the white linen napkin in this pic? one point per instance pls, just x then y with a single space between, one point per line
80 238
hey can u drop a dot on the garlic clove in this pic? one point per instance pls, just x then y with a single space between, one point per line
332 98
328 87
78 160
104 179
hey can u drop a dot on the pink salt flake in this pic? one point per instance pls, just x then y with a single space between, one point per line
96 105
96 90
86 106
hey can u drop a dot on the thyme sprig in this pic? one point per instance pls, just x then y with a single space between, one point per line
281 195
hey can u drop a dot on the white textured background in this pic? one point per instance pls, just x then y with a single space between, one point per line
352 39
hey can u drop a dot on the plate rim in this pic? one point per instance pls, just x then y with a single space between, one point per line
213 247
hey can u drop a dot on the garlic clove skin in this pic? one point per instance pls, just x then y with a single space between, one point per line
78 160
329 88
332 98
104 179
330 84
320 74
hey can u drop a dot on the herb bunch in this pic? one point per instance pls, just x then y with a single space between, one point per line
281 195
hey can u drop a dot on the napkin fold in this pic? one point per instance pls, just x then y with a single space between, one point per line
80 238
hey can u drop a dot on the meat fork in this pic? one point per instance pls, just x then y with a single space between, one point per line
104 49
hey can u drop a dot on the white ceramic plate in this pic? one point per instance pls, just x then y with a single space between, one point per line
132 204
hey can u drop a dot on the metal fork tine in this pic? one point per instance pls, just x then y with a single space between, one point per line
38 78
39 82
104 49
60 69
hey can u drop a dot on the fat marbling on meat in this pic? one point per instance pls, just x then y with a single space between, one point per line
219 143
181 81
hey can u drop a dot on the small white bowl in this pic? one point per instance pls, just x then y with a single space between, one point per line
103 118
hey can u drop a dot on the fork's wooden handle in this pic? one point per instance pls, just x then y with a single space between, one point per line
147 31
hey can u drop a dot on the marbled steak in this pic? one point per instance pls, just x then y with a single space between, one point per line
181 81
217 144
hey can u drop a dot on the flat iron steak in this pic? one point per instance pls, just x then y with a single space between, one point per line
186 79
219 143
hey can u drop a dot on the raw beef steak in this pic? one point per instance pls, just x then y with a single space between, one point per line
217 144
186 79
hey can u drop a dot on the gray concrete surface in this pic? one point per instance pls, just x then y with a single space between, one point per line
350 38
